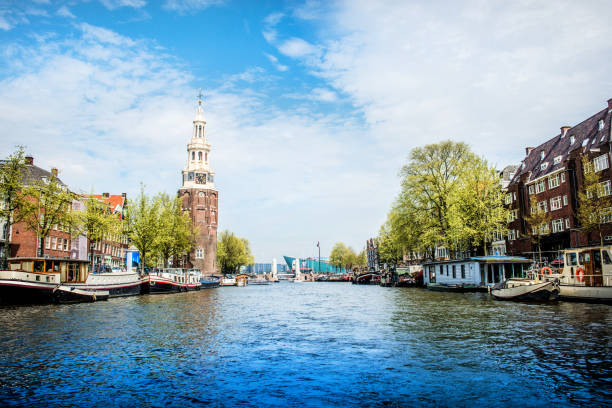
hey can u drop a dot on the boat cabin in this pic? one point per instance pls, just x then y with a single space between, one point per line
587 266
478 271
48 270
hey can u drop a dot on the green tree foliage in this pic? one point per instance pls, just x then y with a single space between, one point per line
343 257
478 210
538 222
362 259
594 203
449 197
11 193
47 203
232 253
143 225
96 222
176 234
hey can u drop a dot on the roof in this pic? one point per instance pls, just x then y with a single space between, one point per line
487 259
112 200
34 173
586 135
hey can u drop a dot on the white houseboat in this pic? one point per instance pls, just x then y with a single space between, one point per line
473 274
586 274
46 280
172 280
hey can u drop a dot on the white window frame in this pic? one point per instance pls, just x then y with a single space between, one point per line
543 204
608 217
553 181
567 223
48 243
531 189
557 160
601 163
604 189
557 225
564 200
540 187
563 177
53 243
555 203
199 253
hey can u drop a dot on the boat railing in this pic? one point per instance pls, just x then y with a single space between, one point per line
582 280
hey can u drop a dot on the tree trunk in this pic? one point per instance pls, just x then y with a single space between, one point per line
484 244
41 246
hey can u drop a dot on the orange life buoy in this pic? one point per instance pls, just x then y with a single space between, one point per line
546 269
580 274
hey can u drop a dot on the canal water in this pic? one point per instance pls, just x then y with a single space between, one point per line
306 345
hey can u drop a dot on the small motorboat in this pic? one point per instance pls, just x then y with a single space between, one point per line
526 289
71 294
210 281
258 281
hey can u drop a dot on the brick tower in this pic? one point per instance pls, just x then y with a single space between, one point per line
200 197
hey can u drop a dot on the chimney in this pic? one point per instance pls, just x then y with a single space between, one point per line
528 150
29 160
54 171
564 130
105 195
610 104
124 195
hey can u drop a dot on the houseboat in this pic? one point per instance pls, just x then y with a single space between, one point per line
474 273
585 275
59 280
171 280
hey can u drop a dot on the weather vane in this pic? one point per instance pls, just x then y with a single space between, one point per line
200 95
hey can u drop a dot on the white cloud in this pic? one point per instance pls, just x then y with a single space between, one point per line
114 4
297 48
4 24
65 12
324 95
276 63
191 6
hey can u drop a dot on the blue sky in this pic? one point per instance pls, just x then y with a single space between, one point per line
312 106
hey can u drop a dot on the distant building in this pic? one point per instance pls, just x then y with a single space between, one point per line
552 172
264 268
312 265
200 197
372 254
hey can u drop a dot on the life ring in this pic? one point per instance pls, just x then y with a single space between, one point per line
545 270
580 274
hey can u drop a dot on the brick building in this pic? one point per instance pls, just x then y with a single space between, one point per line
552 172
372 254
112 250
24 242
200 197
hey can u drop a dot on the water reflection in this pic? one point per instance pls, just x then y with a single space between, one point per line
317 344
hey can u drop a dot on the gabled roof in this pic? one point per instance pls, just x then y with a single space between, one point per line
586 136
116 202
34 173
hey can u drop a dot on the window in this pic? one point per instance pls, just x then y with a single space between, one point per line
565 200
543 166
65 244
539 187
542 206
531 190
567 223
571 259
557 160
553 181
542 155
572 140
555 203
454 272
53 243
601 162
601 124
607 217
199 253
206 156
508 198
513 196
563 177
585 142
190 176
604 189
48 243
557 225
192 155
462 271
512 235
200 156
446 267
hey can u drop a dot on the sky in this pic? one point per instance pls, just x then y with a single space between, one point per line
312 107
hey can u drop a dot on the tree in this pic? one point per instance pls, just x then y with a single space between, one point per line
389 249
362 259
477 211
338 255
176 234
232 252
96 222
11 193
594 202
538 222
47 204
143 224
429 181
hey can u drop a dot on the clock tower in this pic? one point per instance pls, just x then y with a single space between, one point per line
200 197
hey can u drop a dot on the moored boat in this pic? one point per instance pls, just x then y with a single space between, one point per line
70 294
228 280
209 281
526 289
171 280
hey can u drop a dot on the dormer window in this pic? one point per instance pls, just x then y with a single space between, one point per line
572 140
585 142
557 160
601 124
543 166
542 155
522 165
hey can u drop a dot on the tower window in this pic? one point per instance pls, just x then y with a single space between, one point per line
192 155
206 156
200 156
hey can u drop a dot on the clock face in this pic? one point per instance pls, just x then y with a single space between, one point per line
201 178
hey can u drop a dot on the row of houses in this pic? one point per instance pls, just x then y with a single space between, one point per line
60 243
552 174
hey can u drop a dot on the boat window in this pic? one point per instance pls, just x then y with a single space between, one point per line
73 272
39 266
15 266
606 257
462 271
585 258
454 272
571 259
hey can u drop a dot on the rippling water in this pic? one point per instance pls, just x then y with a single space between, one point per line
308 344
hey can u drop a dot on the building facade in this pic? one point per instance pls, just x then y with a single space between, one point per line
200 197
552 175
372 254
